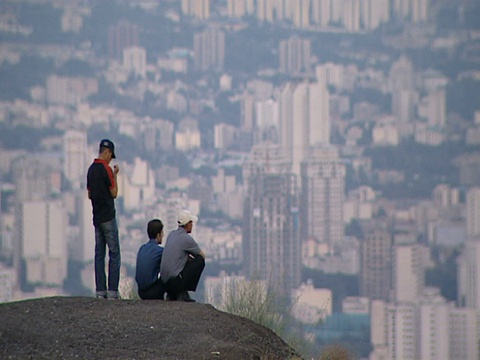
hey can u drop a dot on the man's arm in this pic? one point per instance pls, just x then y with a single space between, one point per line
192 247
114 189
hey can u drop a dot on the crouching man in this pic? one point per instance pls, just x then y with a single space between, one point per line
183 260
149 258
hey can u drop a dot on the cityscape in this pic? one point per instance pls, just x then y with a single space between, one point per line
330 149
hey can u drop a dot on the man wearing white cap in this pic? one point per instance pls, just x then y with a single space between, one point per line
183 261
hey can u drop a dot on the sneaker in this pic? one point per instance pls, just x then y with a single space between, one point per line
101 295
184 296
112 295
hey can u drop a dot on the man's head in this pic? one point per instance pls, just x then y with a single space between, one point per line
186 219
107 150
155 230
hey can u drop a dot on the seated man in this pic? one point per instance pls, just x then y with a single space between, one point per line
149 258
183 260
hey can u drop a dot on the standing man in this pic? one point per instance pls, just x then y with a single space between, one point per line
102 190
149 258
183 260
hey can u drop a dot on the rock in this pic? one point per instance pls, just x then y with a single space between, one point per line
88 328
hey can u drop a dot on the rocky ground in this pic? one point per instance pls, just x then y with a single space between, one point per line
88 328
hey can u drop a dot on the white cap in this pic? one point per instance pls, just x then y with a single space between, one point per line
185 217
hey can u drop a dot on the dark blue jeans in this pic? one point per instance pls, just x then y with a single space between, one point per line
106 234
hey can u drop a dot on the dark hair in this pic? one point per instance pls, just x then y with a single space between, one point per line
103 148
154 227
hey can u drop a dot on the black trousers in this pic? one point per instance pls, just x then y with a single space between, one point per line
188 279
154 292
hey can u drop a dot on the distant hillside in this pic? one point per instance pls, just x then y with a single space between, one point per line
88 328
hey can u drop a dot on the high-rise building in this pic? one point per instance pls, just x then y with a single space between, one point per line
295 56
464 334
433 108
85 248
121 36
265 10
322 196
401 79
351 15
304 120
412 10
8 279
135 60
433 313
188 136
408 272
137 185
224 136
75 153
376 261
266 121
473 213
209 50
374 13
318 114
330 74
69 91
337 8
401 331
44 242
468 275
247 112
158 135
237 8
35 178
199 9
429 328
321 12
301 13
271 232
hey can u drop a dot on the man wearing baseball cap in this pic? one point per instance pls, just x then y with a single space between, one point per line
102 190
183 261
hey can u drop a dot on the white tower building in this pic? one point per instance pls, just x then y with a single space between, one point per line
75 158
473 212
323 194
135 60
44 242
408 272
199 9
304 120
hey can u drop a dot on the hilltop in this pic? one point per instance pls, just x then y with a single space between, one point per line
88 328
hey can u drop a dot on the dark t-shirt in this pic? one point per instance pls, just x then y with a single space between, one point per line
100 180
149 258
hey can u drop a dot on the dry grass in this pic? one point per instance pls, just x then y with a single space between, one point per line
336 352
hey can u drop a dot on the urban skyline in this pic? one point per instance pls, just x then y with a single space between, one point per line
329 148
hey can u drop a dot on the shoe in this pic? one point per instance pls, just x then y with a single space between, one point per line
184 296
112 295
172 297
101 295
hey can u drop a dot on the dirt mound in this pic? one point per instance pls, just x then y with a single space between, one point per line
87 328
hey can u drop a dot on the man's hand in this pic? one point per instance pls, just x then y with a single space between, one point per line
116 169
